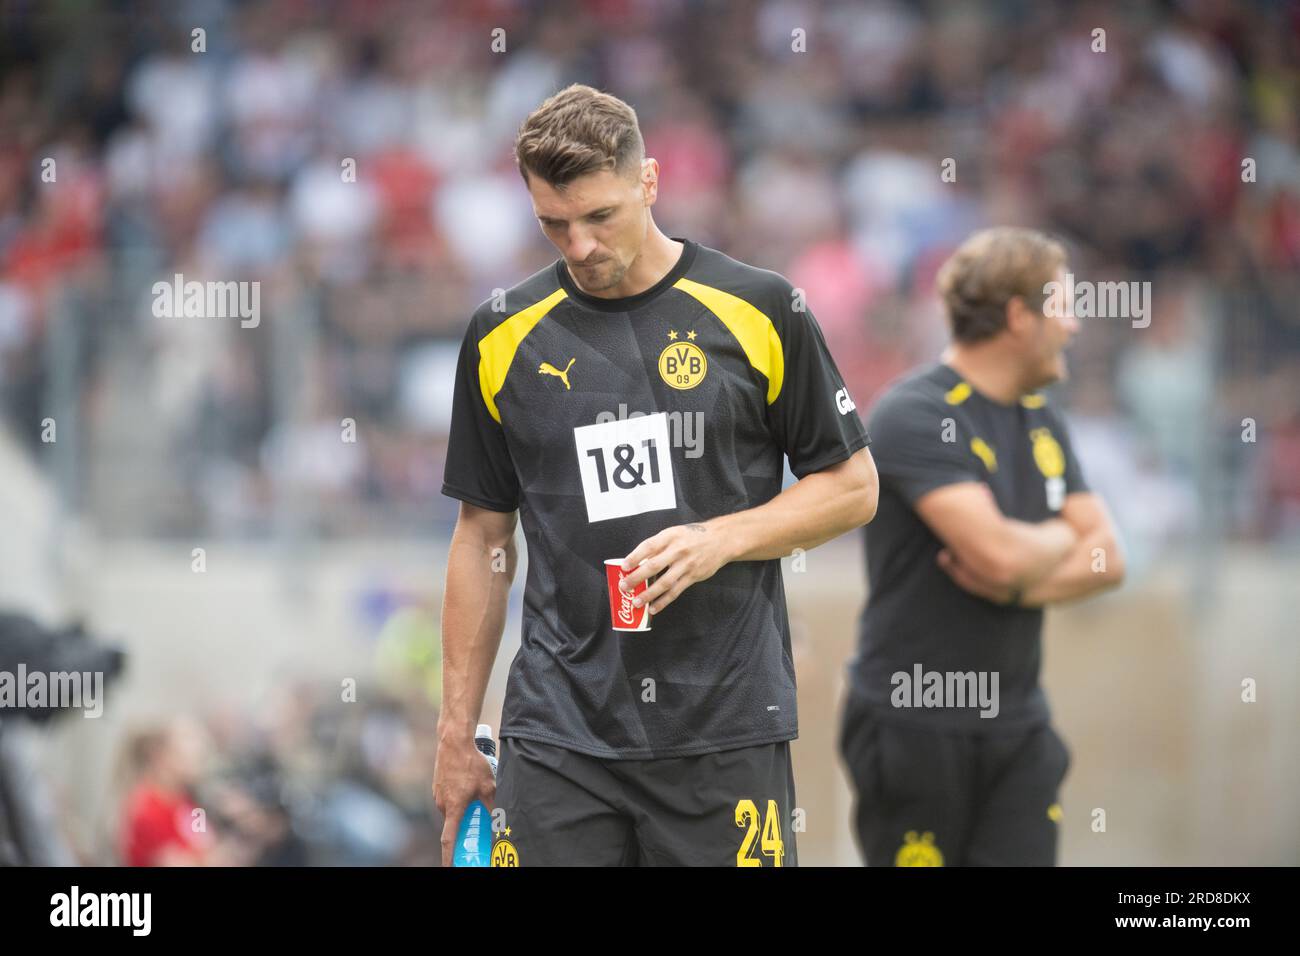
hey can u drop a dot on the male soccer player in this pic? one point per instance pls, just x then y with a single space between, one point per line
984 518
634 401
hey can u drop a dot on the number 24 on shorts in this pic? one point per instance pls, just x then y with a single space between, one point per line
771 843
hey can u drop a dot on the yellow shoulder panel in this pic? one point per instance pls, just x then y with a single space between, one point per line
496 350
753 330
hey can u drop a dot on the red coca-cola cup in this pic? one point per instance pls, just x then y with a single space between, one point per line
625 615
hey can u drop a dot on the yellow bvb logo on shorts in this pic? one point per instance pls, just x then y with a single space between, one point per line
683 364
504 853
918 851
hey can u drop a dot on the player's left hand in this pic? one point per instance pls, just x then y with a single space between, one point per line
971 580
680 556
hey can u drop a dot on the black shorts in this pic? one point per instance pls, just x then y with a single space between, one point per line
562 808
931 797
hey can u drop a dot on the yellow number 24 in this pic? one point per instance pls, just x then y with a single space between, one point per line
772 845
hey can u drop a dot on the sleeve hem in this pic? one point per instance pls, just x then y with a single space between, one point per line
477 500
912 494
837 456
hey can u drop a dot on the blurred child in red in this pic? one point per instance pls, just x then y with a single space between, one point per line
160 826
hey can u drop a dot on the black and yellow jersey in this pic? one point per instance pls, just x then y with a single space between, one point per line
930 430
604 421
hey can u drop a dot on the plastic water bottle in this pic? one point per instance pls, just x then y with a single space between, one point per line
474 838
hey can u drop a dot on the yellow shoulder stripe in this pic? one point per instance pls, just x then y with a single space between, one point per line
958 393
1033 401
496 350
753 330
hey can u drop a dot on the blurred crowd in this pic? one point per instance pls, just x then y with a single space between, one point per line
313 782
313 771
354 157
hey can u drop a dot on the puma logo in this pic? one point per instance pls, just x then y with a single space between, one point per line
547 368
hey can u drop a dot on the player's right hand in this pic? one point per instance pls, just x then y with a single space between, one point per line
460 776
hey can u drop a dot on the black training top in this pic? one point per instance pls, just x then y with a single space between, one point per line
929 430
604 421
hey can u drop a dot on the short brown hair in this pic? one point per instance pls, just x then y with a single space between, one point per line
577 131
991 268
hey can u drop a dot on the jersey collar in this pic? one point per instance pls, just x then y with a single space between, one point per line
957 390
631 302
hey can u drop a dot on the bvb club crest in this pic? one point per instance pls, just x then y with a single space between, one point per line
682 365
1047 453
918 851
504 853
1051 462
